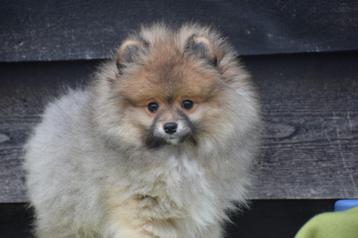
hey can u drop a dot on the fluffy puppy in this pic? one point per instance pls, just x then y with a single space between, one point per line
158 146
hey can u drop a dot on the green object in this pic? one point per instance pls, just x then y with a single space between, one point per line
331 225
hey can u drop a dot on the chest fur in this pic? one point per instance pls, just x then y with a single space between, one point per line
183 190
175 200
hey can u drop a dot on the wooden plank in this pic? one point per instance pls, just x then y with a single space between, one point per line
265 218
77 29
310 146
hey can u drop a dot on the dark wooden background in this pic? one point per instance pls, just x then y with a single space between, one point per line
303 56
89 29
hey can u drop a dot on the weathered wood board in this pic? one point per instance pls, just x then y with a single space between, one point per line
310 106
77 29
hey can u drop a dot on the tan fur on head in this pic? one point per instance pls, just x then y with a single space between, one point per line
159 146
167 66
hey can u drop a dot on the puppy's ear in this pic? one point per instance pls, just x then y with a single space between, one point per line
201 47
130 51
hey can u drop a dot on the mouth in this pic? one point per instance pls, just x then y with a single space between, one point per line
173 141
155 141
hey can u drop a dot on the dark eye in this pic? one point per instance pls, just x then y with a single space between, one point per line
153 106
187 104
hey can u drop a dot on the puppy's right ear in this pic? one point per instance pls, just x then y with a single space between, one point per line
130 51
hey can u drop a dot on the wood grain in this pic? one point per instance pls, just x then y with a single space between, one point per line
77 29
310 147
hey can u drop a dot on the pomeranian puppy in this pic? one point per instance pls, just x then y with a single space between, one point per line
159 145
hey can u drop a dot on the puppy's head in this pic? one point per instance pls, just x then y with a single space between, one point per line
168 88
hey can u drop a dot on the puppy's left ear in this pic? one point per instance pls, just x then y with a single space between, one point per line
202 47
130 52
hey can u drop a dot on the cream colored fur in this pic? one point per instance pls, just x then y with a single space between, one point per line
88 175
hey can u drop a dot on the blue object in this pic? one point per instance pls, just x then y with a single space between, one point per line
342 205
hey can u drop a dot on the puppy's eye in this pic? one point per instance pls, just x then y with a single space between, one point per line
153 106
187 104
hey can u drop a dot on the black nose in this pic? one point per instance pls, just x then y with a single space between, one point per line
170 127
